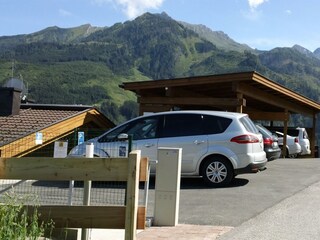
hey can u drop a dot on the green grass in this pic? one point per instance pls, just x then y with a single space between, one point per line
15 221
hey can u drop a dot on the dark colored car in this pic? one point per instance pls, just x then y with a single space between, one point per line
271 146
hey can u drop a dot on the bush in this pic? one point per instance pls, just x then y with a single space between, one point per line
15 221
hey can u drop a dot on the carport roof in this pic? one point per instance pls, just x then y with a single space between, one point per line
251 90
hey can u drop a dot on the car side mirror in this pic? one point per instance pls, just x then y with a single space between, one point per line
123 136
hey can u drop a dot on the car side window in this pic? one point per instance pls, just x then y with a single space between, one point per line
177 125
112 136
305 135
145 128
215 124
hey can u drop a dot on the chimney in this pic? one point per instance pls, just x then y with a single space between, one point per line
9 101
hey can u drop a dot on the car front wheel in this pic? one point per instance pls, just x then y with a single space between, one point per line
217 172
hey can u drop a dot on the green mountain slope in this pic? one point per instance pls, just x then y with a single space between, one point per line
85 65
298 71
218 38
49 35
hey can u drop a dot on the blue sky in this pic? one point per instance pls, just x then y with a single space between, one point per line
262 24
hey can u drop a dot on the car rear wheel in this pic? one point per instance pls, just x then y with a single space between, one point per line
217 172
293 155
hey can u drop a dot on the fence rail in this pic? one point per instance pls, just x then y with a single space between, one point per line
132 170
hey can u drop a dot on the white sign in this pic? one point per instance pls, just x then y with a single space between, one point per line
38 138
60 149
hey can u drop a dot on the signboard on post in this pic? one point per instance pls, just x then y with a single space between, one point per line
38 138
80 137
60 149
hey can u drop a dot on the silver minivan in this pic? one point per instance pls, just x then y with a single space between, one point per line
215 145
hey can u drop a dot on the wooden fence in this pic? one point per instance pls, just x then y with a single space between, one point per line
133 170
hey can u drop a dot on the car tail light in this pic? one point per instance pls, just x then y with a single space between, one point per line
243 139
296 140
267 141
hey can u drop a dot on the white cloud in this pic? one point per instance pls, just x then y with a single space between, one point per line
64 13
255 3
289 12
133 8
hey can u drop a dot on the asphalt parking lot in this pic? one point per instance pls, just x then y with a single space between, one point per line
248 196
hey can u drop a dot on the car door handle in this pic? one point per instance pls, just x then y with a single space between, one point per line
197 142
147 145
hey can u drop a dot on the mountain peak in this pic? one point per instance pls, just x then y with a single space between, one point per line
218 38
317 53
301 49
304 51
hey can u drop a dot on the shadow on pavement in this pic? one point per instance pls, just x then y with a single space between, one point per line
186 183
197 183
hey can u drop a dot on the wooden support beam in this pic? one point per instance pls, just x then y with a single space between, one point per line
193 101
286 91
270 99
188 81
271 116
313 135
240 107
285 133
143 108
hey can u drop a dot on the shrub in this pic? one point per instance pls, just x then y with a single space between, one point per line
19 224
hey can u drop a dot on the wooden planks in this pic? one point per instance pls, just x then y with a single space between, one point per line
132 170
81 169
109 217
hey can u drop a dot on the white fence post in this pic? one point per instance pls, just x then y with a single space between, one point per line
87 189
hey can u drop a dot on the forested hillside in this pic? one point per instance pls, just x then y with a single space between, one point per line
85 65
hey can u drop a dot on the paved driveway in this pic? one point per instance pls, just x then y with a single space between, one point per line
248 196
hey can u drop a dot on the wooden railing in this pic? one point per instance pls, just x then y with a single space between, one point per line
133 170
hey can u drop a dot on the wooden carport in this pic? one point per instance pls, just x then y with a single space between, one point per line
246 92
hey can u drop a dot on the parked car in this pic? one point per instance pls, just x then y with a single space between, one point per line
271 146
215 145
300 133
293 148
304 142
